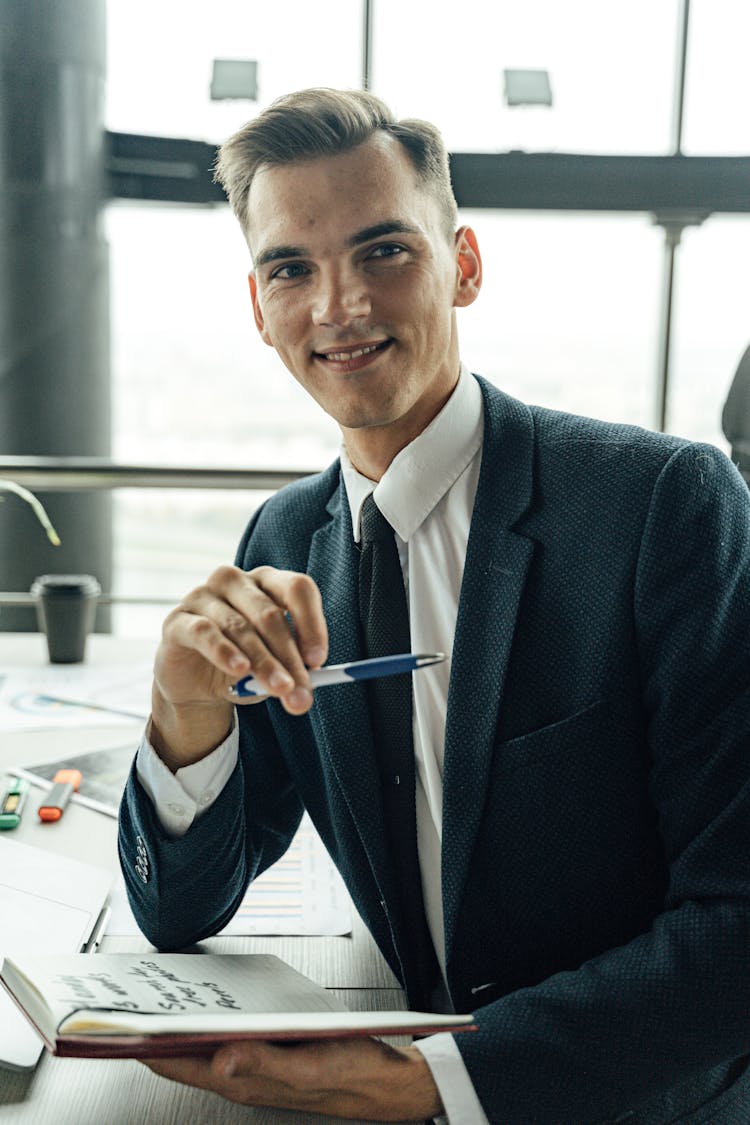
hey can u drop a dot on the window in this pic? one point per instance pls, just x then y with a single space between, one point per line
160 59
193 383
569 310
711 325
717 105
611 69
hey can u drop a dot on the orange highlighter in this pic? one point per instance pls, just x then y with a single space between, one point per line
65 783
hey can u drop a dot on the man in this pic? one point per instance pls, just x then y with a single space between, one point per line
580 871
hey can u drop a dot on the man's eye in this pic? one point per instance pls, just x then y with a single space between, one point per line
386 250
290 271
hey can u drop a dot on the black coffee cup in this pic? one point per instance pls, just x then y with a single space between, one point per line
66 608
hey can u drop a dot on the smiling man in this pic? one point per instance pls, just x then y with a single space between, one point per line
564 849
355 286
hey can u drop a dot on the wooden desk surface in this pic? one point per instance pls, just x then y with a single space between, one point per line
104 1092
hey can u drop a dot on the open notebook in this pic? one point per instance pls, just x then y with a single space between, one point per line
48 904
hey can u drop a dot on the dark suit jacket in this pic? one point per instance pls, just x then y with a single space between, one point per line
596 865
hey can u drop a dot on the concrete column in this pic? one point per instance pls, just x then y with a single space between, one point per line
54 299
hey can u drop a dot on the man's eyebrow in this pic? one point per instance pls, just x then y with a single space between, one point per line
377 230
275 253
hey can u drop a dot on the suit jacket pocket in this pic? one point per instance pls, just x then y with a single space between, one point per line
567 734
568 857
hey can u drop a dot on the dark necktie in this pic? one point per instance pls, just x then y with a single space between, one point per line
384 616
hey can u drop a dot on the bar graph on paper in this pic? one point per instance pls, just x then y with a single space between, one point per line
302 893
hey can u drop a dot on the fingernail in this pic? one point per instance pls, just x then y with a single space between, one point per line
315 656
300 697
230 1066
279 680
237 661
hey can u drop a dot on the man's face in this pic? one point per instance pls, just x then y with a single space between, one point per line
355 283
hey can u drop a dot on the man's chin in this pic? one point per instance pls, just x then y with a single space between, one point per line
359 420
352 413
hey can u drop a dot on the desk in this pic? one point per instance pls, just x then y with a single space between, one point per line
96 1092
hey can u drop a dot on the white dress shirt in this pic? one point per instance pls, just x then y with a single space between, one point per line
427 495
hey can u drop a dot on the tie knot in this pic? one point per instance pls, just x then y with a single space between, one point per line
372 522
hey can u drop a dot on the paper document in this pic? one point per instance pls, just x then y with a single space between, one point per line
73 695
48 904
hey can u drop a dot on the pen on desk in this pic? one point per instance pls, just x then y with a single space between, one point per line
66 783
95 937
12 803
349 673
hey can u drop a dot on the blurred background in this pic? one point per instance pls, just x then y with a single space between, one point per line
601 151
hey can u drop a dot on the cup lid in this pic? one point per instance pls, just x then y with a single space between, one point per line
60 585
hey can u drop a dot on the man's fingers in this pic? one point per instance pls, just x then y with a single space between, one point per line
190 1071
239 623
245 1082
251 608
300 597
360 1079
201 632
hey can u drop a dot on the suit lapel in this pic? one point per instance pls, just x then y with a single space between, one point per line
340 716
497 561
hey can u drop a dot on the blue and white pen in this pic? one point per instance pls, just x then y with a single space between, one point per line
349 673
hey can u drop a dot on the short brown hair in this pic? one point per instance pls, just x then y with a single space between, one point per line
324 122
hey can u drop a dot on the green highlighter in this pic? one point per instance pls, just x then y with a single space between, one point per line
12 803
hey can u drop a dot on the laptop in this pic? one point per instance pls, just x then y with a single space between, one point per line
48 904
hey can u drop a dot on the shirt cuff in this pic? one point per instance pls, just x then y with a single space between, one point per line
180 797
460 1102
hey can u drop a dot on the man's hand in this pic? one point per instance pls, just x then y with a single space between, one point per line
362 1079
232 626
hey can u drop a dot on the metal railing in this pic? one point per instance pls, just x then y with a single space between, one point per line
86 474
13 598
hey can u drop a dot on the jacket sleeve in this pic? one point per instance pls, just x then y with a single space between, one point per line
187 888
194 884
657 1022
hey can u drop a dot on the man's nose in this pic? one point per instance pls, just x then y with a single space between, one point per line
341 298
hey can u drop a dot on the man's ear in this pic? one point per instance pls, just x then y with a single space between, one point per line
468 267
260 323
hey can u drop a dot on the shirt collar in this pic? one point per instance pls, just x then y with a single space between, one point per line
424 470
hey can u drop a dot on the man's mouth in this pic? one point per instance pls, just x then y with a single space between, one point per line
353 352
352 355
